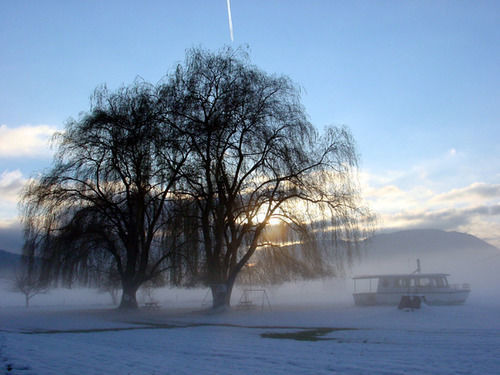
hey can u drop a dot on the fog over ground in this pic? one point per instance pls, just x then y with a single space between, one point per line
295 328
480 271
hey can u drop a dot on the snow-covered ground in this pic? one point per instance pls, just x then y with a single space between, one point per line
304 332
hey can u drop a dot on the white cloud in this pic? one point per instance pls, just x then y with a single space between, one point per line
475 193
441 192
448 169
26 140
473 209
11 184
391 198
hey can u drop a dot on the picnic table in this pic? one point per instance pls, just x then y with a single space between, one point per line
152 305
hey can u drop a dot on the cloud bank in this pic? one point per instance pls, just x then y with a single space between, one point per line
473 209
453 191
11 184
25 141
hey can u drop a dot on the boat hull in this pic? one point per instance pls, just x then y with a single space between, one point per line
443 297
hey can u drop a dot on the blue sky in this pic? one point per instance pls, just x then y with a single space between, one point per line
417 82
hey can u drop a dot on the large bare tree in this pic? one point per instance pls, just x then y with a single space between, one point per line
191 176
255 159
108 202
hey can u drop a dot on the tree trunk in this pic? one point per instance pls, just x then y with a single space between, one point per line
114 295
221 295
27 300
129 300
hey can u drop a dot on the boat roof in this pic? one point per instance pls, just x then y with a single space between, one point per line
403 275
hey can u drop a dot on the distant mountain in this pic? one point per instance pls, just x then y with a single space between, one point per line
11 238
465 257
8 263
426 242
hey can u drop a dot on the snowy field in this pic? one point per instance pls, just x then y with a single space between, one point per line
311 328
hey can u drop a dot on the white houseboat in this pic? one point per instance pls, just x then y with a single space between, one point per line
430 288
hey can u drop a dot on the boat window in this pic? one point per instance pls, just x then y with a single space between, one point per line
385 283
442 282
425 282
401 283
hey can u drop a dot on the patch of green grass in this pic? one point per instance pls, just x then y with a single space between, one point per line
301 333
315 334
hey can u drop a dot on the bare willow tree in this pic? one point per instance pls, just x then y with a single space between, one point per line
108 201
28 281
256 159
188 176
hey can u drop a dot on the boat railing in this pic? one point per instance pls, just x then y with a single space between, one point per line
464 286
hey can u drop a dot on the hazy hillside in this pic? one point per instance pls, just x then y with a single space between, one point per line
8 263
11 238
465 257
426 242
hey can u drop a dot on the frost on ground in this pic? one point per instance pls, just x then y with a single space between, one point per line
303 333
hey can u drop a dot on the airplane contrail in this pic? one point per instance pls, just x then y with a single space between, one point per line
230 19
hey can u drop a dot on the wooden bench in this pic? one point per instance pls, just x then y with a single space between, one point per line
246 302
152 306
246 305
